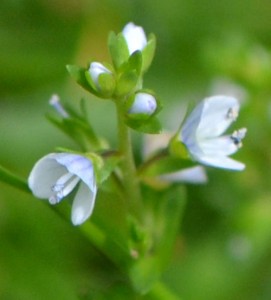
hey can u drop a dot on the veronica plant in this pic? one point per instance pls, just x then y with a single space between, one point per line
145 229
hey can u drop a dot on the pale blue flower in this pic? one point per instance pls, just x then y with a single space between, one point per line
202 130
56 175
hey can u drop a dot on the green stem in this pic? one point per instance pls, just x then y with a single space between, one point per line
13 180
130 180
161 292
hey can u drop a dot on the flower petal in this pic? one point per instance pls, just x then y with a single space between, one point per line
190 126
194 175
44 174
223 162
78 165
217 115
83 204
220 146
135 37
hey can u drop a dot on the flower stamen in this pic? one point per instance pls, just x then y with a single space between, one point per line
237 137
232 114
64 185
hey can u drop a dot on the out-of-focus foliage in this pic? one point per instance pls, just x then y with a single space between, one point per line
203 48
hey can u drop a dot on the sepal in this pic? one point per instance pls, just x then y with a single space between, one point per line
152 125
77 127
79 74
118 49
178 149
129 75
101 79
148 52
110 161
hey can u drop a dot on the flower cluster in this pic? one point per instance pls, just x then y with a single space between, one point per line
174 158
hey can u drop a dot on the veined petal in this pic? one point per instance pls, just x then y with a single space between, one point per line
83 204
223 162
217 115
78 165
44 174
220 146
135 37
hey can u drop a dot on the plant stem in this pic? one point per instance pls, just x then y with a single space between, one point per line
161 292
13 180
130 180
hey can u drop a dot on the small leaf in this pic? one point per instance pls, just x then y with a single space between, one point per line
118 49
78 74
126 83
148 52
151 125
111 160
135 62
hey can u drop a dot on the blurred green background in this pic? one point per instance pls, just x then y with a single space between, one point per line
204 47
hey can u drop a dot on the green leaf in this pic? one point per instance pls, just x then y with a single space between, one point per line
164 216
135 62
148 52
126 83
77 130
78 74
129 75
111 160
107 85
118 49
151 125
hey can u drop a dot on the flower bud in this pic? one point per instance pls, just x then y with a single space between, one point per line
143 103
135 37
101 79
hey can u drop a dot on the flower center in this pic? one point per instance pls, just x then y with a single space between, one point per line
232 114
237 136
64 185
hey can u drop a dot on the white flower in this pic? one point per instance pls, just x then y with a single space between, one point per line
95 70
143 104
56 175
135 37
192 175
201 133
